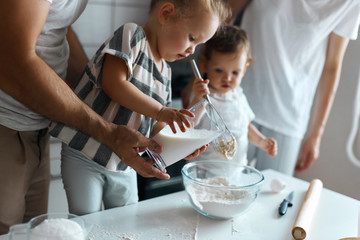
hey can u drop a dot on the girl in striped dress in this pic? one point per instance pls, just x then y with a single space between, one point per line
128 82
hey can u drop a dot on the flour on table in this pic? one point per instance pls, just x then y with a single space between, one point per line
98 232
184 231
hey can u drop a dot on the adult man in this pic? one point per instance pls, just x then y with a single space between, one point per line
33 64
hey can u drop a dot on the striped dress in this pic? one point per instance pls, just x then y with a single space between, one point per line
130 44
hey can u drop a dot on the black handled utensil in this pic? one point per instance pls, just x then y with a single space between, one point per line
286 203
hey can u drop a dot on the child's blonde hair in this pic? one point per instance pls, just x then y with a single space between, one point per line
187 8
228 39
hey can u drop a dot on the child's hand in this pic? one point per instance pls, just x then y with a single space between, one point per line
270 145
197 152
171 115
200 88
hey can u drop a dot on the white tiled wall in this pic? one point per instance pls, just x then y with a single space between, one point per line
95 25
102 17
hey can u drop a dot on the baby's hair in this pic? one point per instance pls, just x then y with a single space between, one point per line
228 39
187 8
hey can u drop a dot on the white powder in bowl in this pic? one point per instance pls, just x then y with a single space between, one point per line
217 202
57 229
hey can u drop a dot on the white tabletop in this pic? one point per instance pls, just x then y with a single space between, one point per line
172 217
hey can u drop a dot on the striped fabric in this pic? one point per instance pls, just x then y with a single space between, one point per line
129 43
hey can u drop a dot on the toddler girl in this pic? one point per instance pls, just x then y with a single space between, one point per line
223 62
128 82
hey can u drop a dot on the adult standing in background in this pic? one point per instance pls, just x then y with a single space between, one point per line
298 48
33 63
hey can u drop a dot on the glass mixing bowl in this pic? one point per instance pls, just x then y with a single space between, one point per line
221 189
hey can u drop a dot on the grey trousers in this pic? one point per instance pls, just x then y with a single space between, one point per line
286 158
89 186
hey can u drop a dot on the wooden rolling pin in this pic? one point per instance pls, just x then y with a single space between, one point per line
352 238
307 210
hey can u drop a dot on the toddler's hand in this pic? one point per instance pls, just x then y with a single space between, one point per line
171 115
270 145
197 152
200 88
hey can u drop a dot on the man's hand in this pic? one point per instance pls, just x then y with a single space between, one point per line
127 145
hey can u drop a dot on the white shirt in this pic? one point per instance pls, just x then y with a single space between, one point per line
288 41
53 48
237 115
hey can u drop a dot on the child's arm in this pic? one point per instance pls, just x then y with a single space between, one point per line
267 144
186 92
117 87
199 88
157 128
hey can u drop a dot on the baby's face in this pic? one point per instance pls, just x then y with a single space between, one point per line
226 70
178 38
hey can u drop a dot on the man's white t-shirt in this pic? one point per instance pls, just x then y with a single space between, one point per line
288 42
53 48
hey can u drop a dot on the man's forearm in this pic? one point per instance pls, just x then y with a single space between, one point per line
46 93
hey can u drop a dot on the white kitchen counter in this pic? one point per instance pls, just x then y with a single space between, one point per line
172 217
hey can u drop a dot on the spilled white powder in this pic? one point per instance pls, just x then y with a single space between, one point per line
174 224
99 232
57 229
183 231
217 202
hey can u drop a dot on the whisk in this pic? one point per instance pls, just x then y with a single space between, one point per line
225 144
